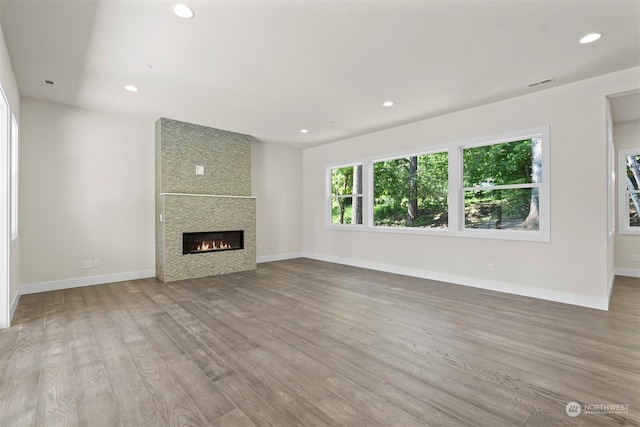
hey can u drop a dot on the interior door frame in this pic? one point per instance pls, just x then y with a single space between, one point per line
5 237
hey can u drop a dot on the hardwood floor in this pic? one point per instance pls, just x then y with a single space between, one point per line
302 342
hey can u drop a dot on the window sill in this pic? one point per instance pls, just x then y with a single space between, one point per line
629 232
529 236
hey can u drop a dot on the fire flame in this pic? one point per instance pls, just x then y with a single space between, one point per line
211 246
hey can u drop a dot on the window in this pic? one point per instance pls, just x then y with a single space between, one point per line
411 191
346 195
629 191
495 187
502 185
611 183
14 179
5 142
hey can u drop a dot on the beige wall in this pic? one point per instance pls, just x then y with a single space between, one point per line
627 135
87 192
611 211
7 78
572 267
10 87
276 181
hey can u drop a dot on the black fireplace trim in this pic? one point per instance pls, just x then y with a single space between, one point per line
205 236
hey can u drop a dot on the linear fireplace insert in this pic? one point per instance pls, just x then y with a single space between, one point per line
212 241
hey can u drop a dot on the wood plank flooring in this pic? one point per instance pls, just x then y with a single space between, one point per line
308 343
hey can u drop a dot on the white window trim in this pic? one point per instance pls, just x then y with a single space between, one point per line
543 234
611 184
13 180
389 229
456 191
623 199
5 267
329 198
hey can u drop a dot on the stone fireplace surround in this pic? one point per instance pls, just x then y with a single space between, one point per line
217 200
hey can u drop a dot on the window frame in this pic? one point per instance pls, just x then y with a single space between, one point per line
611 183
543 232
329 199
13 179
455 190
371 197
5 138
623 193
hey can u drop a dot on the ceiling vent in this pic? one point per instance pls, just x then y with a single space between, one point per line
48 83
541 82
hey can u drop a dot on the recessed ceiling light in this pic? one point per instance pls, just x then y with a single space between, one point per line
589 38
131 88
183 11
304 130
387 103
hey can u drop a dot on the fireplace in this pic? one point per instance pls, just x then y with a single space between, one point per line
203 185
212 241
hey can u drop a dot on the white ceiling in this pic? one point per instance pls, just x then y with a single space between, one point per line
271 68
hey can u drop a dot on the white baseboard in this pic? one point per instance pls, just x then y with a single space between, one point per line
32 288
278 257
509 288
14 305
628 272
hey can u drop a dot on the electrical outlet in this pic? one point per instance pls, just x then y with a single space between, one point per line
87 264
490 266
634 257
96 263
273 246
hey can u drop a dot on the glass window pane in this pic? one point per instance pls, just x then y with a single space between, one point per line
411 191
634 208
346 195
346 180
505 209
346 210
516 162
633 172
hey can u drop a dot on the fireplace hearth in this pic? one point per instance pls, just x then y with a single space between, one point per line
212 241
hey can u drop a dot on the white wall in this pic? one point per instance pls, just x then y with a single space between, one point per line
8 79
86 193
276 181
627 135
571 268
611 198
10 87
